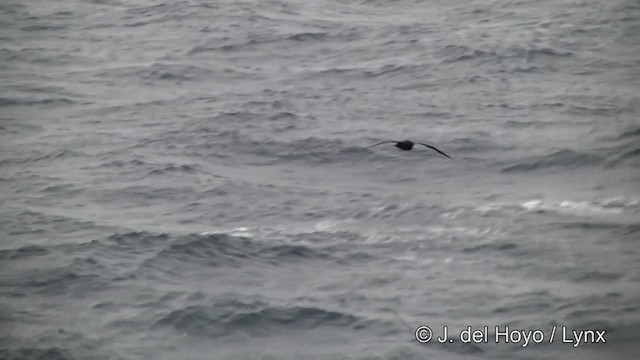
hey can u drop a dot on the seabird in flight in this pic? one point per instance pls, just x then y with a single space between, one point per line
408 145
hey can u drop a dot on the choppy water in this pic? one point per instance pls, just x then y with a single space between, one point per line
190 179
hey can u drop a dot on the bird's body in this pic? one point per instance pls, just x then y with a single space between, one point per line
405 145
408 145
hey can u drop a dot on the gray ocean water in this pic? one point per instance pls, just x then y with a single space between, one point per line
191 179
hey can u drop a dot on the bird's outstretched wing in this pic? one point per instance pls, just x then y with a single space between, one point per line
384 142
434 148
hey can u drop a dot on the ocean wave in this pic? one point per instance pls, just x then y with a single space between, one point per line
143 195
125 163
628 157
33 55
223 250
57 343
478 143
491 247
55 155
318 156
257 318
571 207
308 36
630 233
631 132
236 232
594 275
135 242
624 202
285 253
453 53
159 14
80 276
309 150
30 225
158 71
37 353
60 101
175 168
395 210
285 115
161 255
251 42
254 40
606 206
385 69
43 27
620 230
12 8
565 158
23 252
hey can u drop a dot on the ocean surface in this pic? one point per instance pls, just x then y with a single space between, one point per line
192 179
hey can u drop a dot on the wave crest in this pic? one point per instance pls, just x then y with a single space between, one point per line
256 318
563 158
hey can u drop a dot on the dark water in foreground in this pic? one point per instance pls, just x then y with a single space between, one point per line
190 180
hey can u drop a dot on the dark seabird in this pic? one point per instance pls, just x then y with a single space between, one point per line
408 145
